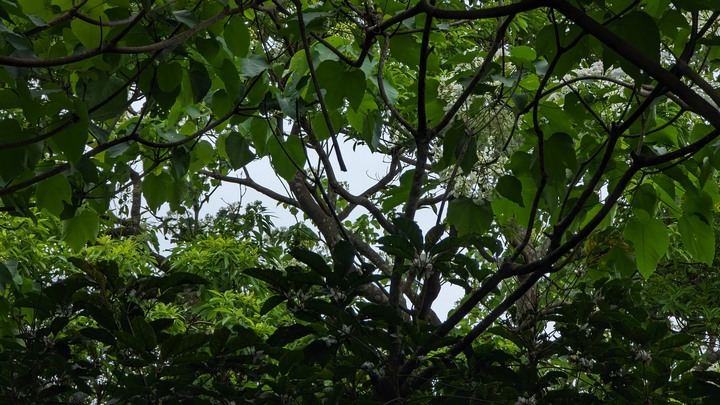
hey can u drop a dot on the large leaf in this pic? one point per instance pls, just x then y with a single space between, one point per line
511 188
287 156
169 76
81 229
650 240
72 140
106 97
640 31
341 83
157 189
411 231
467 216
53 193
14 161
253 66
238 150
237 37
313 260
698 238
90 35
287 334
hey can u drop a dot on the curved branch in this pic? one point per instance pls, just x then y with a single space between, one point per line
485 13
340 190
247 182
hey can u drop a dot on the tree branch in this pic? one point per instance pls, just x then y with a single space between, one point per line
114 49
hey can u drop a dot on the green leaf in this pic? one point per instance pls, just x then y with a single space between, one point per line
106 97
559 157
645 198
530 82
101 335
641 32
397 245
186 17
698 238
52 193
81 229
344 256
511 188
90 35
208 48
287 156
341 83
411 231
218 340
675 340
199 81
433 236
271 303
231 80
238 150
287 334
523 52
169 76
178 344
253 66
312 260
72 140
700 204
322 132
202 154
237 37
405 49
273 277
6 277
650 241
469 217
157 189
620 261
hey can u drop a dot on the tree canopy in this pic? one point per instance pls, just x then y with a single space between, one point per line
566 151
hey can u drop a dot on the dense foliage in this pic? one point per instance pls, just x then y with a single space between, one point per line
565 151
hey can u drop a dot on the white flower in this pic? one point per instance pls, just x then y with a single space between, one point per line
528 401
587 363
338 296
643 356
257 356
329 340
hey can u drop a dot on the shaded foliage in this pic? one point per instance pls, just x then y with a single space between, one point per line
553 160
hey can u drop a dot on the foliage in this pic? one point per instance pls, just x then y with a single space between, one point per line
565 153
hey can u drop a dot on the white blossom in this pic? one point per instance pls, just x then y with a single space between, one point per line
329 340
526 401
643 356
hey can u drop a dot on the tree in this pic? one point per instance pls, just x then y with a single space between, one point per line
562 146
